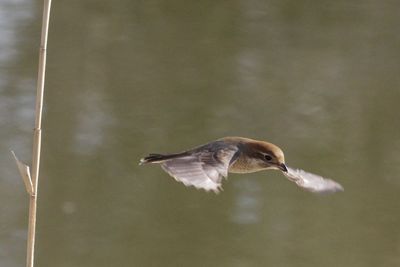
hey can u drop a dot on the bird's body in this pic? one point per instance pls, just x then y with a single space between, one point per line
204 166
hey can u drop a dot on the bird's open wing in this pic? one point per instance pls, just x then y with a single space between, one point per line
312 182
203 169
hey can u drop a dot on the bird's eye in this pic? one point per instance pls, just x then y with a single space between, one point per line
267 157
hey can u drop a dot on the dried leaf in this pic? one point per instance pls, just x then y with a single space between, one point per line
25 174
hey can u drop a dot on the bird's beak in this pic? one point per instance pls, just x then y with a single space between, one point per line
283 167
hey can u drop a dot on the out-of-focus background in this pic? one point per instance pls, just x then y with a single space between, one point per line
125 78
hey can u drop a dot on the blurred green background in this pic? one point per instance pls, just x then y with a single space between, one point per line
125 78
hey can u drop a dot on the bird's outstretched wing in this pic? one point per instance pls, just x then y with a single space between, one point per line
312 182
202 169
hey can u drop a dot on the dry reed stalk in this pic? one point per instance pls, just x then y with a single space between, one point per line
31 178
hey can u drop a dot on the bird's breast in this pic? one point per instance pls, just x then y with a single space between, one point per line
245 165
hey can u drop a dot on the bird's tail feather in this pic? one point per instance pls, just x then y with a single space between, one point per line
157 158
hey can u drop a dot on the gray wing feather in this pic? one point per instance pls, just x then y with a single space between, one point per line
202 169
312 182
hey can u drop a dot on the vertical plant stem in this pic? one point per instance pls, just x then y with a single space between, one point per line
37 135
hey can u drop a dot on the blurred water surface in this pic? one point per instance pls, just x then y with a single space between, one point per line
125 78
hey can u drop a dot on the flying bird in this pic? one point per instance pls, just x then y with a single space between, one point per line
205 166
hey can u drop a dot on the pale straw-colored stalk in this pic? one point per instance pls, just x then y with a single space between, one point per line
31 178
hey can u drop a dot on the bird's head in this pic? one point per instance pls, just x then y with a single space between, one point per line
267 155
